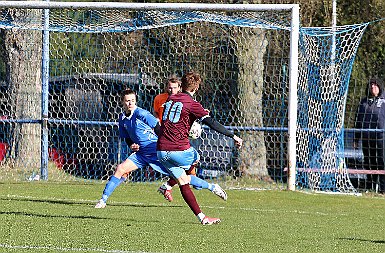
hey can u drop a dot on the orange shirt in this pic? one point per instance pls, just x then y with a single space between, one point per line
158 104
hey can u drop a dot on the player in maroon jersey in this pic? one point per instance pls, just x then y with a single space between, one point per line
174 149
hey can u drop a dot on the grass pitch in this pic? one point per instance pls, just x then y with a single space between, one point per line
52 217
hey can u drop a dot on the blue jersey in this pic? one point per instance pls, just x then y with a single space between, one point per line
139 128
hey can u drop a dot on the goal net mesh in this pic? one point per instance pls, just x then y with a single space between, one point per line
242 56
326 60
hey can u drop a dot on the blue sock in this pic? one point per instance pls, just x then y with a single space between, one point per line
198 183
122 180
110 187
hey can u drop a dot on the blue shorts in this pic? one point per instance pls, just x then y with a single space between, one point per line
177 162
151 159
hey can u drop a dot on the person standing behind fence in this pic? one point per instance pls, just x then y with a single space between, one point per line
174 150
371 116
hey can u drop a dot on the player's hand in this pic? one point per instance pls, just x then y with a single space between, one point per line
238 141
134 147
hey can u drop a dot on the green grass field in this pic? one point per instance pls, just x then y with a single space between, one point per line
52 217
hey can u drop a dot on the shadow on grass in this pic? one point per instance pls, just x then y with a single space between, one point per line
85 202
363 240
51 201
54 216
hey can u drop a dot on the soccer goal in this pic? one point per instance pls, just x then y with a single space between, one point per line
282 88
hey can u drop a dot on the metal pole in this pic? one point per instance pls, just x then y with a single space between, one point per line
334 15
44 98
144 6
334 25
293 103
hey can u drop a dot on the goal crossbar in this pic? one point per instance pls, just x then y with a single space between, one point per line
147 6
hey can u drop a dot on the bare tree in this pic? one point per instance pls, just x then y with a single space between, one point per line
22 58
250 51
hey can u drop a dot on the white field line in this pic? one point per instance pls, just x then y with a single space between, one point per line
8 246
167 204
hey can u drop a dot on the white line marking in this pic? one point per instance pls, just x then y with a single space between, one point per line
7 246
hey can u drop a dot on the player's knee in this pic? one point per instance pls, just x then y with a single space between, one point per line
184 179
121 170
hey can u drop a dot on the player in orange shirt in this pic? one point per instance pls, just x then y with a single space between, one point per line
173 87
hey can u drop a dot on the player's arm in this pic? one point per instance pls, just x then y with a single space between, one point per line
128 141
157 129
123 135
215 125
150 120
156 107
133 146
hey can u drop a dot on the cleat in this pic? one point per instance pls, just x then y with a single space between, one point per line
219 192
209 221
100 204
166 193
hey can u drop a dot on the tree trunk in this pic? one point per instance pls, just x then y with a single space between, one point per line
250 51
22 56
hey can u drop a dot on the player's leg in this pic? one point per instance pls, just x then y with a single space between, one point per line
119 177
195 181
191 201
192 171
199 183
153 161
177 162
166 188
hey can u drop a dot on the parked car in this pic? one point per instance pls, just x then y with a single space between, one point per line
84 110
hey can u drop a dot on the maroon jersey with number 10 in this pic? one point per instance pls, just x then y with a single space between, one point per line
180 111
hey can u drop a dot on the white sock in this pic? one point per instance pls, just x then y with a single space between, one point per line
201 216
168 187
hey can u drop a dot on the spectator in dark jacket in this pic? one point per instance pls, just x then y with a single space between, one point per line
370 119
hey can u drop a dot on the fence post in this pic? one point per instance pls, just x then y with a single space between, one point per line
45 97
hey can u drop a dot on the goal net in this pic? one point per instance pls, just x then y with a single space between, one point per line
326 60
59 118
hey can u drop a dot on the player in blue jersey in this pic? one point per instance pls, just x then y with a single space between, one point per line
139 128
174 149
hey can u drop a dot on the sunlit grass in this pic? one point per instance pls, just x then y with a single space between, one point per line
60 217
